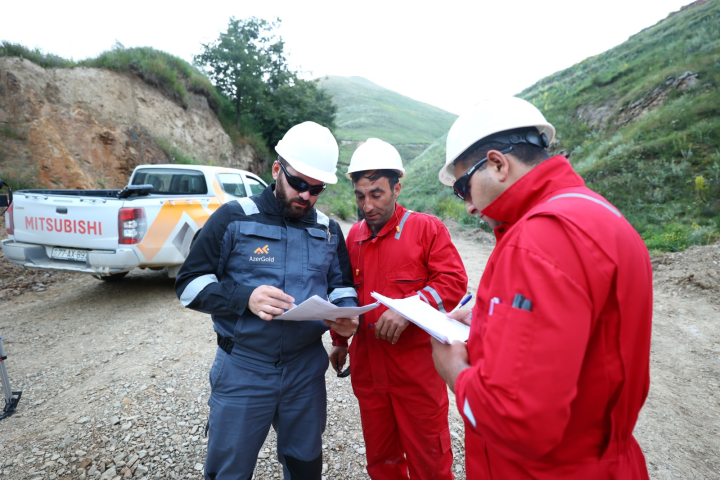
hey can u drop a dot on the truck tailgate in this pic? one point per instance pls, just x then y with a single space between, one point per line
64 221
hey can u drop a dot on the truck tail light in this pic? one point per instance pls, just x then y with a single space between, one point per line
9 224
132 225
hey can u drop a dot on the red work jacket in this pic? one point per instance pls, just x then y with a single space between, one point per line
555 392
411 255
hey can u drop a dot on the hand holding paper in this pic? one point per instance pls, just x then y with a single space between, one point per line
426 317
316 308
344 326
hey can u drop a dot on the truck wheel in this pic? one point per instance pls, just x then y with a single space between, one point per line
113 277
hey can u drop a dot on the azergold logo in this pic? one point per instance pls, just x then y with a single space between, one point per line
260 251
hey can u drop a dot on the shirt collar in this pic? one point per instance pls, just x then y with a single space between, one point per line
366 233
549 176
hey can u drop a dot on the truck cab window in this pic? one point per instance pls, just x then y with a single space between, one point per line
232 184
172 182
256 185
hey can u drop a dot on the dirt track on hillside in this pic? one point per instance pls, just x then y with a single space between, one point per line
114 377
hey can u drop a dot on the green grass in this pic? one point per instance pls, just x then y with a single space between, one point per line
662 169
45 60
174 76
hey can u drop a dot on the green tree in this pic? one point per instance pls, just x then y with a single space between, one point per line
247 65
294 103
244 61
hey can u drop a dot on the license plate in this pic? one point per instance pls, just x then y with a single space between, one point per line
69 254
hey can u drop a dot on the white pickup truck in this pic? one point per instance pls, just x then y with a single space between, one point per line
151 223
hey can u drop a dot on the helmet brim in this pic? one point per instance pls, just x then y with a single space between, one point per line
312 172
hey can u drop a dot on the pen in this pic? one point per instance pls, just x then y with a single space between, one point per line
462 303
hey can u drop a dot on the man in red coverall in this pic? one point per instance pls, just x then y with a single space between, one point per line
556 368
398 253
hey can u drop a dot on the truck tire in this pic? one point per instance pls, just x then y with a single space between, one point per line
113 277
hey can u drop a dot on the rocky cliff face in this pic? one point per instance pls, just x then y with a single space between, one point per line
89 128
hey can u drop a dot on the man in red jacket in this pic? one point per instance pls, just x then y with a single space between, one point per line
556 368
398 253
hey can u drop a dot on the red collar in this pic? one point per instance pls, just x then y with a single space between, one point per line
365 232
551 175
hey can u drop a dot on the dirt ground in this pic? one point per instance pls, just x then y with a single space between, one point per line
114 377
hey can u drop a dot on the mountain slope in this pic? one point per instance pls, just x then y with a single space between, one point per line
641 124
368 110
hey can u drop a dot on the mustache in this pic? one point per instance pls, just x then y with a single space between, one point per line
300 201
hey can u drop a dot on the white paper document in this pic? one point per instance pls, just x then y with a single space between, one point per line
316 308
426 317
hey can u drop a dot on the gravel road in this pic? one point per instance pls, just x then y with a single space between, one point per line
114 377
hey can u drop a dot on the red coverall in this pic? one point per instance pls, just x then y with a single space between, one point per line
403 401
554 393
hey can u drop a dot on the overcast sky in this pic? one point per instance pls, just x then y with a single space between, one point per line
449 53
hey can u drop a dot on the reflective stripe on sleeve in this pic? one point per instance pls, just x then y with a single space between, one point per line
422 297
402 223
344 292
587 197
195 287
468 414
248 206
436 297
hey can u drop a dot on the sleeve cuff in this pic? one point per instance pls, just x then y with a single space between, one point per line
338 340
346 302
240 298
463 405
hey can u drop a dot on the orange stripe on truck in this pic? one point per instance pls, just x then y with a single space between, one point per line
168 219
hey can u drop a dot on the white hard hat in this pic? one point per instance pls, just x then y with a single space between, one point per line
375 155
311 150
488 118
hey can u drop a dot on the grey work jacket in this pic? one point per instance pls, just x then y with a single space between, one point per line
247 243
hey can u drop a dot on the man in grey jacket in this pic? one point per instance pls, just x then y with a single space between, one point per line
253 259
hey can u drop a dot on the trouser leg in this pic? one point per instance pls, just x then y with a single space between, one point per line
243 402
425 439
420 405
301 417
383 449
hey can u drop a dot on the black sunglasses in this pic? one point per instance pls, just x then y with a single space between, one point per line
461 184
301 185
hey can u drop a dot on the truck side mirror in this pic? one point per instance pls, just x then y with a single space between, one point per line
4 201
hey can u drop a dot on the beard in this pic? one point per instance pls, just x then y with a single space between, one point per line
290 211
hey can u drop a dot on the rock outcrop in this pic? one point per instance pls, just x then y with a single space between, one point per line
89 128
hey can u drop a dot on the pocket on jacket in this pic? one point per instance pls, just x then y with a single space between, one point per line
261 245
506 344
320 250
403 287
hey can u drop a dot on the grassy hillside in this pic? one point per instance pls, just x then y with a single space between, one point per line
638 128
368 110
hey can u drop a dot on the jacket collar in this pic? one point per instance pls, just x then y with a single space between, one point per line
269 204
366 233
551 175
